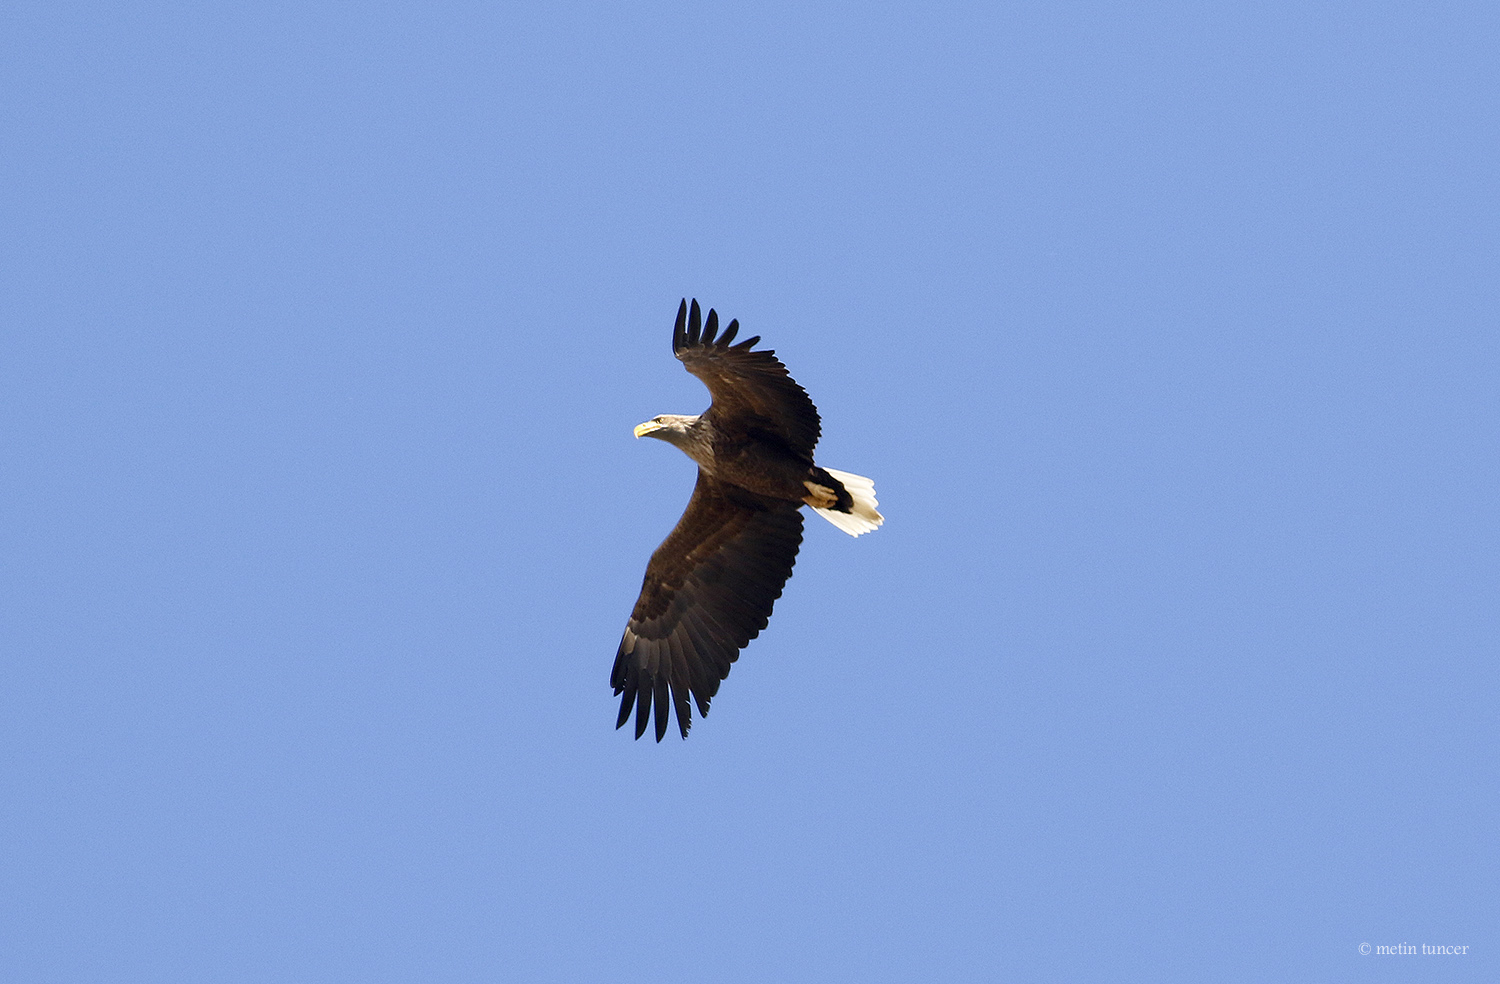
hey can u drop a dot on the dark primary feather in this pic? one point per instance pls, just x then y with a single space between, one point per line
752 391
708 591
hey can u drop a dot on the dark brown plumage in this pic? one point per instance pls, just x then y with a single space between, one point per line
710 587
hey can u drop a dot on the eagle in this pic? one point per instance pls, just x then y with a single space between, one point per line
710 586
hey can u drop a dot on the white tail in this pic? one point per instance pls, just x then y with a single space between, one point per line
863 517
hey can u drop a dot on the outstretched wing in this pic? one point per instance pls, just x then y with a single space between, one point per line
708 591
752 391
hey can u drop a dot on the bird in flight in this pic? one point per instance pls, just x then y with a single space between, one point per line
710 586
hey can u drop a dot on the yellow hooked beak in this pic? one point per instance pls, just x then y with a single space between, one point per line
641 430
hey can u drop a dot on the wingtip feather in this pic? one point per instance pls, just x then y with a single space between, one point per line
659 691
642 710
679 329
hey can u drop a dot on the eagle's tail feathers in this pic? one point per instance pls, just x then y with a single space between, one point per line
862 516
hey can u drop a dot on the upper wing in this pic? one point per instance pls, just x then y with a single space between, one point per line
708 591
751 390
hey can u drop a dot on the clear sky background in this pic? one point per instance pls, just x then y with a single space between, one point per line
1168 332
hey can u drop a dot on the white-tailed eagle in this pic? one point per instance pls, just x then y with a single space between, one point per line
710 586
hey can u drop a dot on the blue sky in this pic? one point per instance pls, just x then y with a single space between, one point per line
1167 331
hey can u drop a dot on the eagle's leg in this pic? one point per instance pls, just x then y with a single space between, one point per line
820 496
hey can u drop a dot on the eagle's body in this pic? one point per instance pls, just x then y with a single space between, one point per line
765 467
711 585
